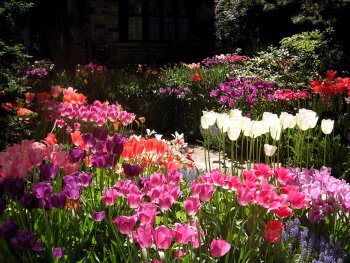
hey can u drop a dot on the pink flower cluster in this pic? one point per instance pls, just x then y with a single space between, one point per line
288 94
264 187
17 160
97 112
162 191
324 190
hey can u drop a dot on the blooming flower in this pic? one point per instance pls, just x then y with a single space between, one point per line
163 237
219 247
192 205
273 230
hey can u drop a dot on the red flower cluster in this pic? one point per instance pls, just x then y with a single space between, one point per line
196 78
331 85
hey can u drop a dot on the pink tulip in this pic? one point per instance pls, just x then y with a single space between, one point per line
173 177
262 170
184 233
174 191
37 153
56 91
29 97
206 192
297 199
196 188
109 196
125 224
134 200
283 175
147 213
163 237
217 176
59 158
157 179
178 253
219 247
143 236
165 201
70 168
192 205
245 195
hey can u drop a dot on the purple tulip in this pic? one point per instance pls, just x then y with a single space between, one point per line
76 155
98 216
8 229
41 189
85 179
13 187
131 170
57 252
30 201
23 240
89 140
72 191
116 144
58 200
38 247
48 171
101 160
100 134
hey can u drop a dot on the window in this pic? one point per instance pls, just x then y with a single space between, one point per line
155 20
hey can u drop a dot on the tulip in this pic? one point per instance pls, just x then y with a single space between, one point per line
125 224
57 252
327 126
184 233
109 196
98 216
134 200
269 149
147 213
223 121
40 190
143 236
287 120
273 231
192 205
163 237
208 119
219 247
233 133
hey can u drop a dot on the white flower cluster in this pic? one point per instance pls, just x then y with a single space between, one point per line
234 123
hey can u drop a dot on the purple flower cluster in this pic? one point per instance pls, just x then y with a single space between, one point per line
178 92
98 141
324 191
72 184
39 69
238 92
311 248
21 240
37 73
97 112
230 59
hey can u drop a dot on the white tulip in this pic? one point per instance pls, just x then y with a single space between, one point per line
306 119
259 128
208 119
235 113
269 149
275 133
271 119
223 121
287 120
233 132
327 126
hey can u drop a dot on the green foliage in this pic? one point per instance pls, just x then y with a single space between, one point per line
294 63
